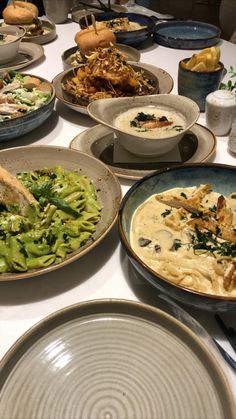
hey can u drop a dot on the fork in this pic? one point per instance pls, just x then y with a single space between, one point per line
229 332
225 355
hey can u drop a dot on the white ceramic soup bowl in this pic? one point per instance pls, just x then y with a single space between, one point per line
140 141
9 48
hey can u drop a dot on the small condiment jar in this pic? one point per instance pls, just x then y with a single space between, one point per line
220 111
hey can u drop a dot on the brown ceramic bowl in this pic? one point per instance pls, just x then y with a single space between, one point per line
151 72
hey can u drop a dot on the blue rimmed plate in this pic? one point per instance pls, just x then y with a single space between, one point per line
186 34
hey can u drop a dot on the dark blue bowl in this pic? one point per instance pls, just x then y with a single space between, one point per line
133 38
186 34
223 180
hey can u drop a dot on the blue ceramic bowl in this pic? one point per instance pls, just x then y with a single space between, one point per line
133 38
186 34
196 85
223 180
21 125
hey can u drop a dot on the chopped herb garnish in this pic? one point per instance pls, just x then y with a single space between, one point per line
196 214
176 245
183 195
141 116
177 128
212 209
206 241
166 212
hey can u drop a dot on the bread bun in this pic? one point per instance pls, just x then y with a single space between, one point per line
20 12
89 39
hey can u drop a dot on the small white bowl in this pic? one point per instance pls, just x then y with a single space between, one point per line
9 50
105 111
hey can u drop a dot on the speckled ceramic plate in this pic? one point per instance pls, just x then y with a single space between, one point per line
165 81
131 54
112 359
198 146
48 35
28 54
186 34
108 189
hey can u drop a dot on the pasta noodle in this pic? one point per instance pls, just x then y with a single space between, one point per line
62 220
188 235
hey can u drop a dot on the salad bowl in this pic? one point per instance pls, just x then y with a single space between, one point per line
35 105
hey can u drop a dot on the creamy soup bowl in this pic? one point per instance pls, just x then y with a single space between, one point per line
137 140
10 38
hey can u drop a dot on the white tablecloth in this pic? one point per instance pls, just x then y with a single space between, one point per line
105 272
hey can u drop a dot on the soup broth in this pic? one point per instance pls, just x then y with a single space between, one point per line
151 122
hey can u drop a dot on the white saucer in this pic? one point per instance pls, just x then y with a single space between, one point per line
28 54
99 141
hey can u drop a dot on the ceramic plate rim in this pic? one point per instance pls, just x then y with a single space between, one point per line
14 276
188 23
127 173
115 306
25 47
44 38
157 71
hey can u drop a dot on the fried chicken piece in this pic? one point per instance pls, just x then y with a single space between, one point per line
224 215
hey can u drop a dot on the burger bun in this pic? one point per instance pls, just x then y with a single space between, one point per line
89 39
20 13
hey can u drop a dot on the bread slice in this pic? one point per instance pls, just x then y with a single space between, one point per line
13 192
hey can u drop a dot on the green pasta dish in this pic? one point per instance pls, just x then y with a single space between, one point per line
60 218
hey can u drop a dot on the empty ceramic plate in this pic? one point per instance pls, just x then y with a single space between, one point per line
112 359
186 34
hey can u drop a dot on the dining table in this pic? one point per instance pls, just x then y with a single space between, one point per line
105 272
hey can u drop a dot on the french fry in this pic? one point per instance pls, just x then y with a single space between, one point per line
207 60
199 67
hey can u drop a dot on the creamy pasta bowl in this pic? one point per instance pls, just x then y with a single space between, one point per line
179 233
82 201
147 125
